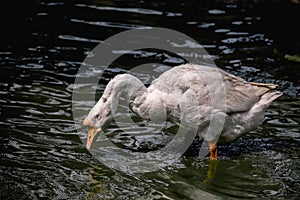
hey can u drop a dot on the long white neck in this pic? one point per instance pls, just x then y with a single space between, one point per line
125 86
132 90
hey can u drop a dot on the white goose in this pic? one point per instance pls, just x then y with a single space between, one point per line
243 108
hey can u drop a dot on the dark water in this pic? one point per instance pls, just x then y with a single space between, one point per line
42 156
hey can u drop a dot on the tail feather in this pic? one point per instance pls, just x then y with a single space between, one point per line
269 97
263 88
267 85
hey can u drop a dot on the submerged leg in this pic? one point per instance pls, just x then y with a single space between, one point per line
212 171
213 151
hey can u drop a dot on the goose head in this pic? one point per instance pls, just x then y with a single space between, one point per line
98 118
123 85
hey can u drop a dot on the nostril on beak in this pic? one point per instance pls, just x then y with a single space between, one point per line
86 122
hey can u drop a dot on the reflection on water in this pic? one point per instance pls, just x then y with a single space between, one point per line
41 153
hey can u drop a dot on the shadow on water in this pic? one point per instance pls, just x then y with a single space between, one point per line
42 156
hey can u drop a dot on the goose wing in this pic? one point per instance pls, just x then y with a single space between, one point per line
207 82
241 95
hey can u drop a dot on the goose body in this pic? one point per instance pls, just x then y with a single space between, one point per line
189 93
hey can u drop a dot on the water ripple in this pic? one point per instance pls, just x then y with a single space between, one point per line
129 10
76 38
111 24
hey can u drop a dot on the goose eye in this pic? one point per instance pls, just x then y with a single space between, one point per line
97 116
104 99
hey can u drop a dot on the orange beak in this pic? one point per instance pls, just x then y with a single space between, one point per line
92 132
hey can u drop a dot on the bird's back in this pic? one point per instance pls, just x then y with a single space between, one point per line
243 103
204 81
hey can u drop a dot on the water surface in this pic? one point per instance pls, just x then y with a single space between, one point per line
42 156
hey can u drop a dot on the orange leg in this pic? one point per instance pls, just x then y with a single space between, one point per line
212 171
213 150
213 163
